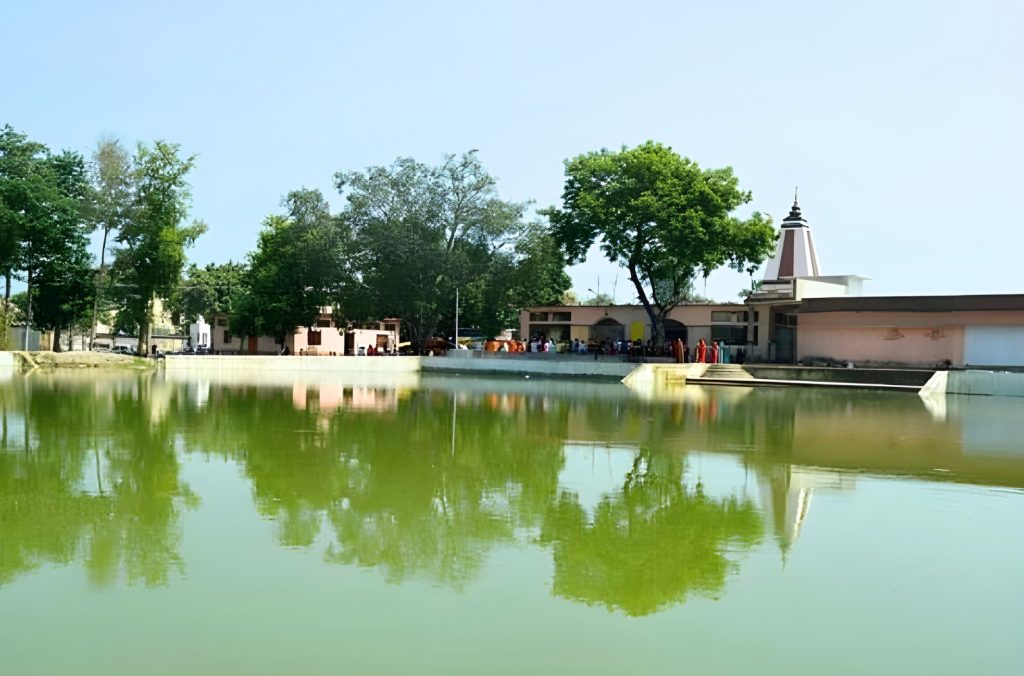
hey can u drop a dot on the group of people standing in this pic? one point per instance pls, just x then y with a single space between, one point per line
702 354
541 343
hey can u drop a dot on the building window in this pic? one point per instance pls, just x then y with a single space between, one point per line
733 335
323 323
757 316
561 316
538 316
227 336
556 332
721 316
313 338
390 327
744 317
222 321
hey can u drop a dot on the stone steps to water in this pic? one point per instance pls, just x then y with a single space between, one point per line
726 372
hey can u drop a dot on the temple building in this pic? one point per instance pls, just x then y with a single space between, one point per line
792 275
799 315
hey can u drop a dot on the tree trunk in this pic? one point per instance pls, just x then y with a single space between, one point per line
144 329
657 326
99 286
56 339
7 289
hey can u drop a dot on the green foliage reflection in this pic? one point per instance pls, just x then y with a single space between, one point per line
650 545
89 474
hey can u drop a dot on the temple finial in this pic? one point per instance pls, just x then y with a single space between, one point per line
794 212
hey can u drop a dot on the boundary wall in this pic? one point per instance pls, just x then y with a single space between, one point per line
475 361
966 382
260 364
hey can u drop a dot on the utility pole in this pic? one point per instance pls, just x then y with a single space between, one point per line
456 318
28 317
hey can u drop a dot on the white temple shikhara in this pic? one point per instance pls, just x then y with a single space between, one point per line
794 253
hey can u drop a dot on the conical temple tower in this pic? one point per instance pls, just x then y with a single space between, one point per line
794 253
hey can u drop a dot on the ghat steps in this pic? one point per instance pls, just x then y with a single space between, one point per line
725 372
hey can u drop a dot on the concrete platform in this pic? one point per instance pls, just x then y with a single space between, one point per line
771 382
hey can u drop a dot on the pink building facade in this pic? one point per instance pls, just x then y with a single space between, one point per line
726 323
326 338
922 331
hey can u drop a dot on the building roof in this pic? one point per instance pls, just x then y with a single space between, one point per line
993 302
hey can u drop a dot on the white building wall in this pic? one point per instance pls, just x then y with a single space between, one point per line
807 288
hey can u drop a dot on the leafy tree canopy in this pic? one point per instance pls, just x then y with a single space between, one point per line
63 289
299 266
206 291
151 243
661 217
420 232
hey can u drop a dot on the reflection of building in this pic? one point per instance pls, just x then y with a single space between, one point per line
786 493
331 396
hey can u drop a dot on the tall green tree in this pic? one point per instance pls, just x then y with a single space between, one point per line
421 232
111 175
20 196
206 291
150 253
44 208
65 286
661 217
28 191
532 272
299 266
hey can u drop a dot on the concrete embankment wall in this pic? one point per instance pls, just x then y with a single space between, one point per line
473 361
975 382
258 364
7 360
462 362
840 375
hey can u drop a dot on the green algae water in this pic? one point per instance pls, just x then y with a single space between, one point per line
447 525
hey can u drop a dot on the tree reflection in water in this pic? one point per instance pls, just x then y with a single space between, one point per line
92 476
650 545
418 484
394 490
429 487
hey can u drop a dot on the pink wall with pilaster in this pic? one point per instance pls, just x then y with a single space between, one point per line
908 337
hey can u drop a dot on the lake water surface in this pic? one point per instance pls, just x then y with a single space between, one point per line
177 525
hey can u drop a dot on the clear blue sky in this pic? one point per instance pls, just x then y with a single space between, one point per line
900 121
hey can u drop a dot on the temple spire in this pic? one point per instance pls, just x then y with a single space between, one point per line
794 253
